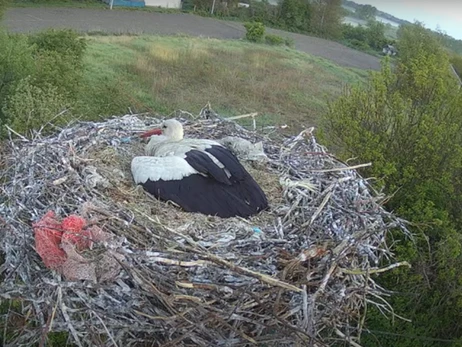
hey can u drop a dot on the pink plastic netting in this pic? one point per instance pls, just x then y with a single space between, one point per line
62 246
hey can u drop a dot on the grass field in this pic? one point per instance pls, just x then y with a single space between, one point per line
163 74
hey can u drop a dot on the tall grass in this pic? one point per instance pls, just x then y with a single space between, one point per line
161 74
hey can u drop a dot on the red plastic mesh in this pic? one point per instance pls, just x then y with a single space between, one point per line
50 234
59 243
74 234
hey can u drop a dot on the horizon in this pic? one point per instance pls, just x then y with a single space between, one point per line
445 15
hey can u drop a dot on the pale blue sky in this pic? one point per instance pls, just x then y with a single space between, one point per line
447 14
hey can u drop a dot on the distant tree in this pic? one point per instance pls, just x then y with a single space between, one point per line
367 37
366 12
376 35
295 14
326 18
203 5
347 13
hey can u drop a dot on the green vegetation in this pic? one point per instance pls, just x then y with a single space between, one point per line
40 78
163 74
295 15
370 38
255 32
456 61
321 18
366 12
408 122
53 77
3 5
275 40
326 19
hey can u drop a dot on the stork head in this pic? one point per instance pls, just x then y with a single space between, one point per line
171 128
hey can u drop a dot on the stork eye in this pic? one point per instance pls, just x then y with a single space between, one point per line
164 127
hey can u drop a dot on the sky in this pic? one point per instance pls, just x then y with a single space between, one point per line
447 14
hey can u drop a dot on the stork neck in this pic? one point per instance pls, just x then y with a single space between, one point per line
176 136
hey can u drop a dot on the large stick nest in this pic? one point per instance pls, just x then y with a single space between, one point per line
296 275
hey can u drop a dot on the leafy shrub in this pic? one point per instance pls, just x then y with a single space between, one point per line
358 44
456 61
16 62
58 70
376 35
358 33
3 6
255 31
408 123
31 107
366 37
295 14
39 76
63 42
263 12
274 40
288 41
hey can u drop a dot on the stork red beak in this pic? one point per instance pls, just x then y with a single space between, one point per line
149 133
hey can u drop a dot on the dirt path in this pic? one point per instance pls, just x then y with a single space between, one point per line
120 21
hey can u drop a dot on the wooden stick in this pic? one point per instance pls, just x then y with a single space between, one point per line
251 273
243 116
374 270
343 168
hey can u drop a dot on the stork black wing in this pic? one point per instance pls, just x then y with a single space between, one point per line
205 165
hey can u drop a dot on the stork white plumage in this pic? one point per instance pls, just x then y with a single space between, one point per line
199 175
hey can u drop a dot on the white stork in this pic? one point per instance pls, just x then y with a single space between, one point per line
198 175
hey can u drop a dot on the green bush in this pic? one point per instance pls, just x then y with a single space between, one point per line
358 33
58 70
16 62
358 44
456 61
289 42
295 14
367 37
62 42
263 12
3 6
408 123
32 107
255 31
274 40
39 75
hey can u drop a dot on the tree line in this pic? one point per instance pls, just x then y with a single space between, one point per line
322 18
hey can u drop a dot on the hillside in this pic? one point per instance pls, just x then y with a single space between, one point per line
380 14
